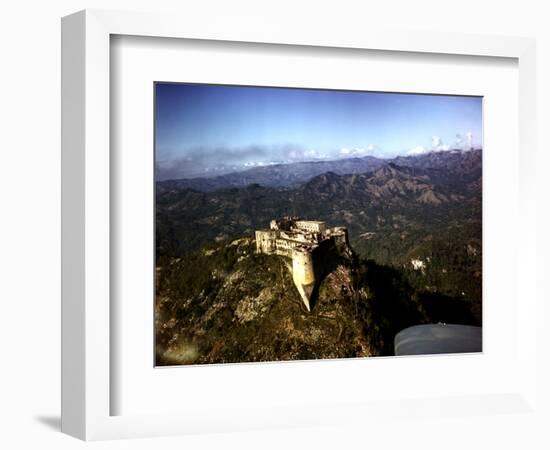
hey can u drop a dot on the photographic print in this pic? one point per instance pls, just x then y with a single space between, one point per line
305 224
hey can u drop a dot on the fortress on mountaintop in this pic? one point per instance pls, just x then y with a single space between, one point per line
307 246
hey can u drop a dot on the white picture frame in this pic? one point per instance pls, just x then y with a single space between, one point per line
86 221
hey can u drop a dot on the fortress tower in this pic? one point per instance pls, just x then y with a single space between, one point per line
303 274
307 244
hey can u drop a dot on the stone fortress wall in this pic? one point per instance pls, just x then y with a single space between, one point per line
302 241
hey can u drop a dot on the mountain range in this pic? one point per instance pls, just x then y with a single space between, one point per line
280 175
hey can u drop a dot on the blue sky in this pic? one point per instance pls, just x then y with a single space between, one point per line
204 130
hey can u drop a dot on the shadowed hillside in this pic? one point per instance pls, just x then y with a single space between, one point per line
225 303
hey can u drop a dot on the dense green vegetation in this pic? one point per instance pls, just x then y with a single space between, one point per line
230 304
226 303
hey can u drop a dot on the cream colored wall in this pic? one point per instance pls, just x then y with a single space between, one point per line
311 226
302 268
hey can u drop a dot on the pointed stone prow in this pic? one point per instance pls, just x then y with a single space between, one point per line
303 273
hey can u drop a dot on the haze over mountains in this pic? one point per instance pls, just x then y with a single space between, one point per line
288 174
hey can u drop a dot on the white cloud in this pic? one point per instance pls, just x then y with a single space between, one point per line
438 145
436 141
469 137
299 154
359 151
418 150
312 154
